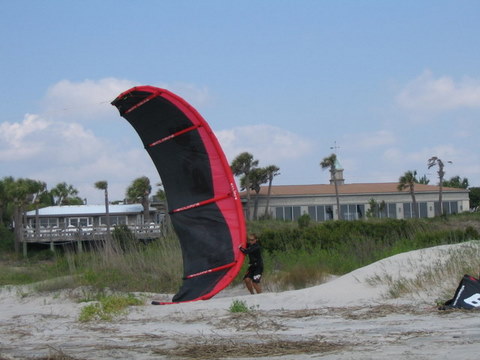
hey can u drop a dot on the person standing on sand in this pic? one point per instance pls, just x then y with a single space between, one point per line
255 269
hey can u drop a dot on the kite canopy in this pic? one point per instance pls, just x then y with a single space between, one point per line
202 197
467 295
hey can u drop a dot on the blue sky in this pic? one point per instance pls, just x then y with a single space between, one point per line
391 83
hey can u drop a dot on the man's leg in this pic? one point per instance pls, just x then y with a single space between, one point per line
249 284
257 287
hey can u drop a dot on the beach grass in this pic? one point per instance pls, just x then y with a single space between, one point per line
439 277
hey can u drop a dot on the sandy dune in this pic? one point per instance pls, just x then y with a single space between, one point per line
351 317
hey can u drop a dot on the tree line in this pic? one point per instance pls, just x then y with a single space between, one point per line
20 195
409 179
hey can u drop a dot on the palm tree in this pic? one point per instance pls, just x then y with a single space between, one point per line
408 180
456 182
437 161
140 190
474 195
330 163
258 176
424 180
41 190
243 164
64 194
103 185
160 194
272 171
20 193
6 197
3 199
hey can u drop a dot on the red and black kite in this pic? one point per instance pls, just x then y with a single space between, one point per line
202 197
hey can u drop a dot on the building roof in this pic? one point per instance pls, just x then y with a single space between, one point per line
349 189
90 210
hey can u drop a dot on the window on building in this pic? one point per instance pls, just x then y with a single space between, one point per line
360 211
388 211
296 212
324 213
114 220
352 212
449 207
320 212
408 212
279 213
44 222
392 211
453 207
423 210
288 213
329 212
79 221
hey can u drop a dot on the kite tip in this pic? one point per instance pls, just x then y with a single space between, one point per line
158 302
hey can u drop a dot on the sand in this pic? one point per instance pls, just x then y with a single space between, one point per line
350 317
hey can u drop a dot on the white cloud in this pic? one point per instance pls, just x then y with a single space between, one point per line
393 154
86 100
57 151
119 168
446 152
436 94
19 141
368 140
398 160
63 143
38 139
194 95
89 100
267 143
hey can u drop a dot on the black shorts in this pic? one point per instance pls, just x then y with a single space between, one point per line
254 272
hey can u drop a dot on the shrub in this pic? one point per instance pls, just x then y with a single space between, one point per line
238 306
6 238
471 233
108 307
304 221
124 237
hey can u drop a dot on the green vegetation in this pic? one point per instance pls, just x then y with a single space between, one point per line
108 307
296 255
119 266
239 306
299 255
6 240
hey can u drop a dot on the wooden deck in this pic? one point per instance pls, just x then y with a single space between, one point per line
56 235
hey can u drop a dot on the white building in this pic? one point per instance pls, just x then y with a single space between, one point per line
289 202
87 215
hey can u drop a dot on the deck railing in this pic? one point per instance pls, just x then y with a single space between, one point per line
91 233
